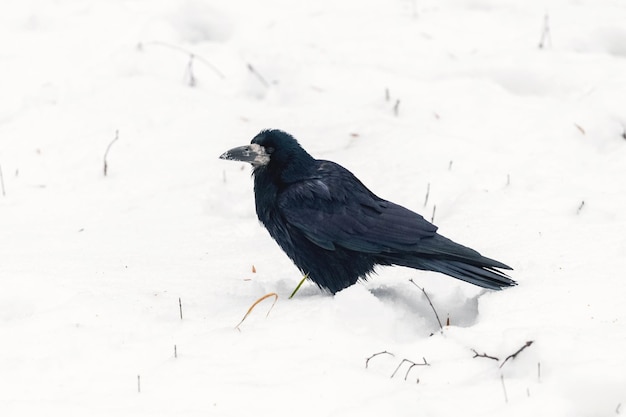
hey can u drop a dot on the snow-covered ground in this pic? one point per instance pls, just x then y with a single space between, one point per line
523 148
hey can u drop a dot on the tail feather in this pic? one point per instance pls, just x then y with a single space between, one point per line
483 276
443 255
479 270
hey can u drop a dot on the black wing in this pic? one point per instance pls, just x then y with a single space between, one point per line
335 209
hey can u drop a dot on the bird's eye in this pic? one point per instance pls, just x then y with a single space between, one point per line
269 149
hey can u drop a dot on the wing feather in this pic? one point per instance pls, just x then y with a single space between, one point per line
330 213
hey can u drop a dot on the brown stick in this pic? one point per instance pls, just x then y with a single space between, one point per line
429 302
272 294
514 355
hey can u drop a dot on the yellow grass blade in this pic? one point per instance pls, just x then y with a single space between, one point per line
272 294
299 285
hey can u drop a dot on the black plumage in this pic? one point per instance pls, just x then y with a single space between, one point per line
336 230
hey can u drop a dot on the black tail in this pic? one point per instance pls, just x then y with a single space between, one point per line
441 254
483 276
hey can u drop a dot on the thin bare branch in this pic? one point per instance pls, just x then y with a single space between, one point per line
483 355
514 355
191 78
396 108
384 352
580 129
546 38
411 367
258 75
106 153
298 286
415 364
506 397
429 302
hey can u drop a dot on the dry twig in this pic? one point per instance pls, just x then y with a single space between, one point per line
546 38
506 397
298 286
514 355
106 153
258 76
429 302
425 363
272 294
384 352
396 108
483 355
580 129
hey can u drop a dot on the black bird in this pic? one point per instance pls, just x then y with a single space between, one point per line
336 230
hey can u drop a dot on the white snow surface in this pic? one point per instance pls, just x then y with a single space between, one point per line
511 137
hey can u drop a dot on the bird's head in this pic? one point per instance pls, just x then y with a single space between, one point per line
275 150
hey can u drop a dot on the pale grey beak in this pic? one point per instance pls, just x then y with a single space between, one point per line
253 153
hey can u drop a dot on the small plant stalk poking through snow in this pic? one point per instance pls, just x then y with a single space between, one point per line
298 286
259 77
106 153
191 78
546 38
506 397
580 129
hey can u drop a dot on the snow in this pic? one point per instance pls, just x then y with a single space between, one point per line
512 139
